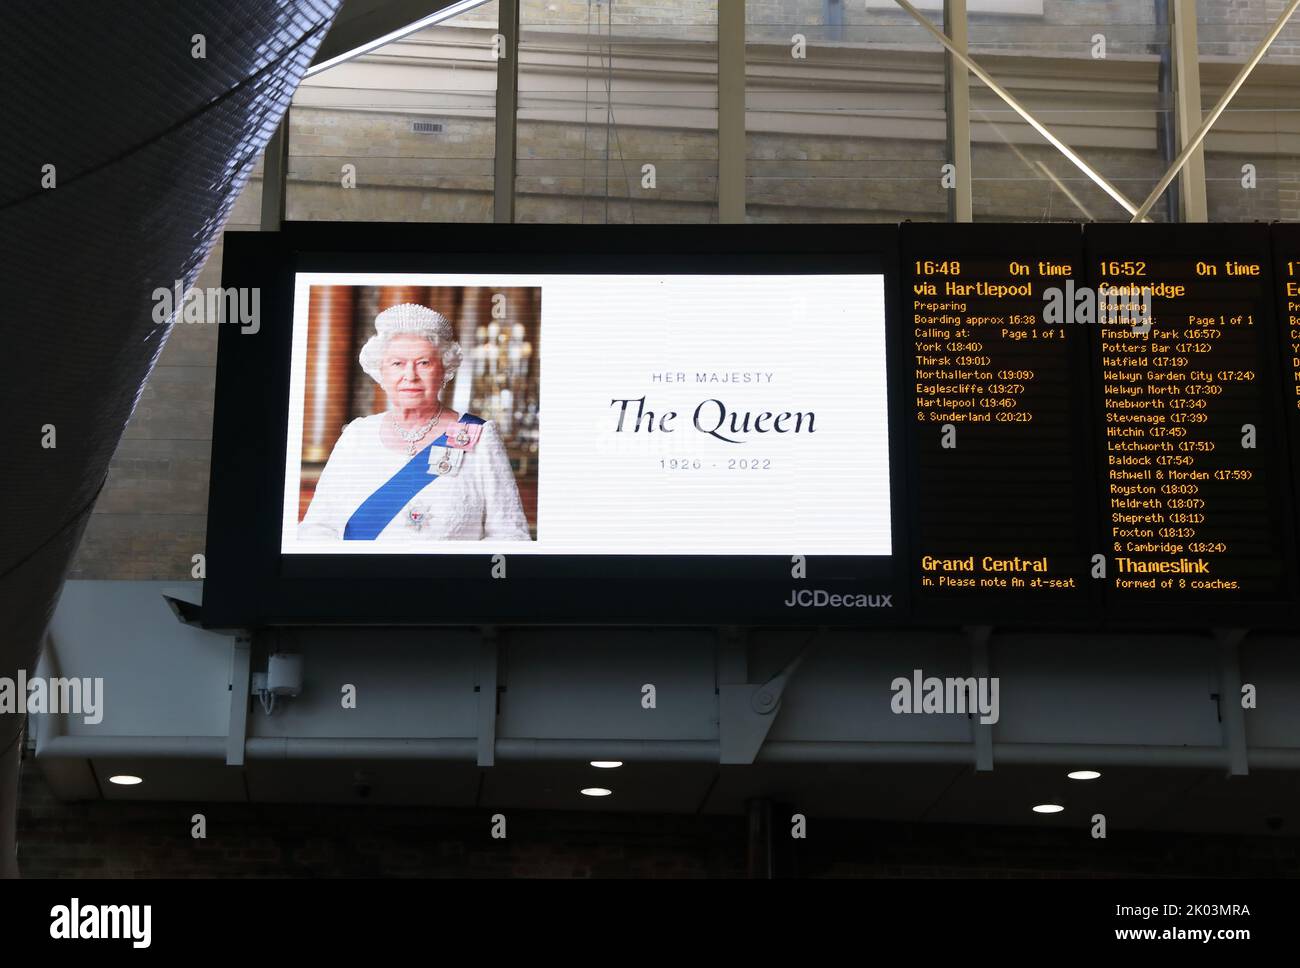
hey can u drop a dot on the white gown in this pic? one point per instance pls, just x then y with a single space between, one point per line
475 499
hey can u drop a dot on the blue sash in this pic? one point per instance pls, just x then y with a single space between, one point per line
378 510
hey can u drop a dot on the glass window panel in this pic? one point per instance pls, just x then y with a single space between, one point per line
416 119
847 124
618 111
1252 154
1097 74
246 213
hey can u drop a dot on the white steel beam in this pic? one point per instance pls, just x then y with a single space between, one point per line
1074 159
1194 143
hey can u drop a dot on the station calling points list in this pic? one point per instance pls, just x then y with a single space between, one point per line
1097 415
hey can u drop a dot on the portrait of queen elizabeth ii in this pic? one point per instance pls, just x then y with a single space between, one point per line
418 470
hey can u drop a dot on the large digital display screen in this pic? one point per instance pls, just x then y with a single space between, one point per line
579 414
1012 425
558 424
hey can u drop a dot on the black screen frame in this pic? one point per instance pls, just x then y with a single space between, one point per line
249 583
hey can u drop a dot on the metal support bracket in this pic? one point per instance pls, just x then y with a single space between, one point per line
487 697
747 710
733 658
1231 716
241 666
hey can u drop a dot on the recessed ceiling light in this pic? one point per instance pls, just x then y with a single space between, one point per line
124 779
1048 808
607 764
1083 775
596 792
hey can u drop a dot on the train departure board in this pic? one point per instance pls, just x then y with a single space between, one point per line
1286 280
1191 475
1000 495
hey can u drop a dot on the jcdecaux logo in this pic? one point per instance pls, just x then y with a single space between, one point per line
818 598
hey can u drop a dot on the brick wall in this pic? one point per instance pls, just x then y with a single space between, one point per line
401 176
101 839
1232 28
631 13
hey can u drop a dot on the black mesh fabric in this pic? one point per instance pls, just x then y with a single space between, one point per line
150 147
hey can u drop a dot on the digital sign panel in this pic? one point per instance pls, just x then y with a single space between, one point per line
1193 499
1012 425
571 414
999 481
557 424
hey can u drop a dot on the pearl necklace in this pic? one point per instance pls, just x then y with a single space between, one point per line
413 436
